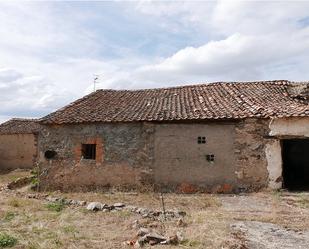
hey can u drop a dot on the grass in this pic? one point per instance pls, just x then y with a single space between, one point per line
55 206
14 202
69 229
7 240
303 201
40 225
9 216
190 243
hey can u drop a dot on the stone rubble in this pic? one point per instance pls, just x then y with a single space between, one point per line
98 206
146 236
144 212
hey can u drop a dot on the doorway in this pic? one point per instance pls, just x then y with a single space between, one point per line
295 156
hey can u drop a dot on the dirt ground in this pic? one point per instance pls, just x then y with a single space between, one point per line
259 220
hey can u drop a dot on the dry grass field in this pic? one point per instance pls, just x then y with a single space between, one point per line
259 220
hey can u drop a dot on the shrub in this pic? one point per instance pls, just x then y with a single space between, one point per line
56 206
9 216
7 240
35 178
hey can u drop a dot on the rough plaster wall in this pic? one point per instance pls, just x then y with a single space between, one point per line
294 127
126 156
139 154
274 163
17 151
250 144
180 159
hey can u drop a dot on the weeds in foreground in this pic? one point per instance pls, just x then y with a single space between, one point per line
14 202
190 243
303 201
70 229
277 194
55 206
9 216
7 240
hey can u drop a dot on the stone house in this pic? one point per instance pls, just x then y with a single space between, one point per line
18 144
217 137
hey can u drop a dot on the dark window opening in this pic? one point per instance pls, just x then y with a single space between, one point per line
201 140
89 151
295 156
50 154
210 158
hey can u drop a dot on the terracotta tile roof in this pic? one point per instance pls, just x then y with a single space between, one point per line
233 100
20 126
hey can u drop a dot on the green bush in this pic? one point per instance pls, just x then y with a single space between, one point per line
9 216
35 178
56 206
7 240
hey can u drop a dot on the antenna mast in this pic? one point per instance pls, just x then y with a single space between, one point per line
96 77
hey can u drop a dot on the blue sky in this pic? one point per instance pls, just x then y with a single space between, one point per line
50 51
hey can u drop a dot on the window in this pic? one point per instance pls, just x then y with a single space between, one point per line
201 140
89 151
210 158
50 154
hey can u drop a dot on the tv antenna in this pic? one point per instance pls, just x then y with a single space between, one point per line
95 81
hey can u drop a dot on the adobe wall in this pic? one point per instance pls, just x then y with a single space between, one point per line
17 151
181 162
124 156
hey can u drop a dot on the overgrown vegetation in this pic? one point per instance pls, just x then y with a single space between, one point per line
35 178
304 201
14 202
57 206
7 240
9 216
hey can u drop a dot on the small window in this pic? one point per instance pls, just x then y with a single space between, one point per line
201 140
50 154
210 158
89 151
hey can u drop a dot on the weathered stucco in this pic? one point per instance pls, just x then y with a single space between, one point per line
17 151
282 128
274 163
180 160
293 127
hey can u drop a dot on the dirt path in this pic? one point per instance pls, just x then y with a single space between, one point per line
269 220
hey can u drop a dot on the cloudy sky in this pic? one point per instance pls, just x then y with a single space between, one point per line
50 51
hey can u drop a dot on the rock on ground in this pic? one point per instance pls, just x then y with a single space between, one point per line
262 235
95 206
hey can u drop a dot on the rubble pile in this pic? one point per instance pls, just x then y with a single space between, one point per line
144 212
148 236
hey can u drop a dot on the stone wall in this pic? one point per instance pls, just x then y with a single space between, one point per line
250 144
124 156
17 151
141 155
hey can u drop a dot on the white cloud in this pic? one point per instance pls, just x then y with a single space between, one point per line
47 58
251 41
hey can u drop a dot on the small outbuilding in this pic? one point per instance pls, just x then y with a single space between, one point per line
18 144
217 137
